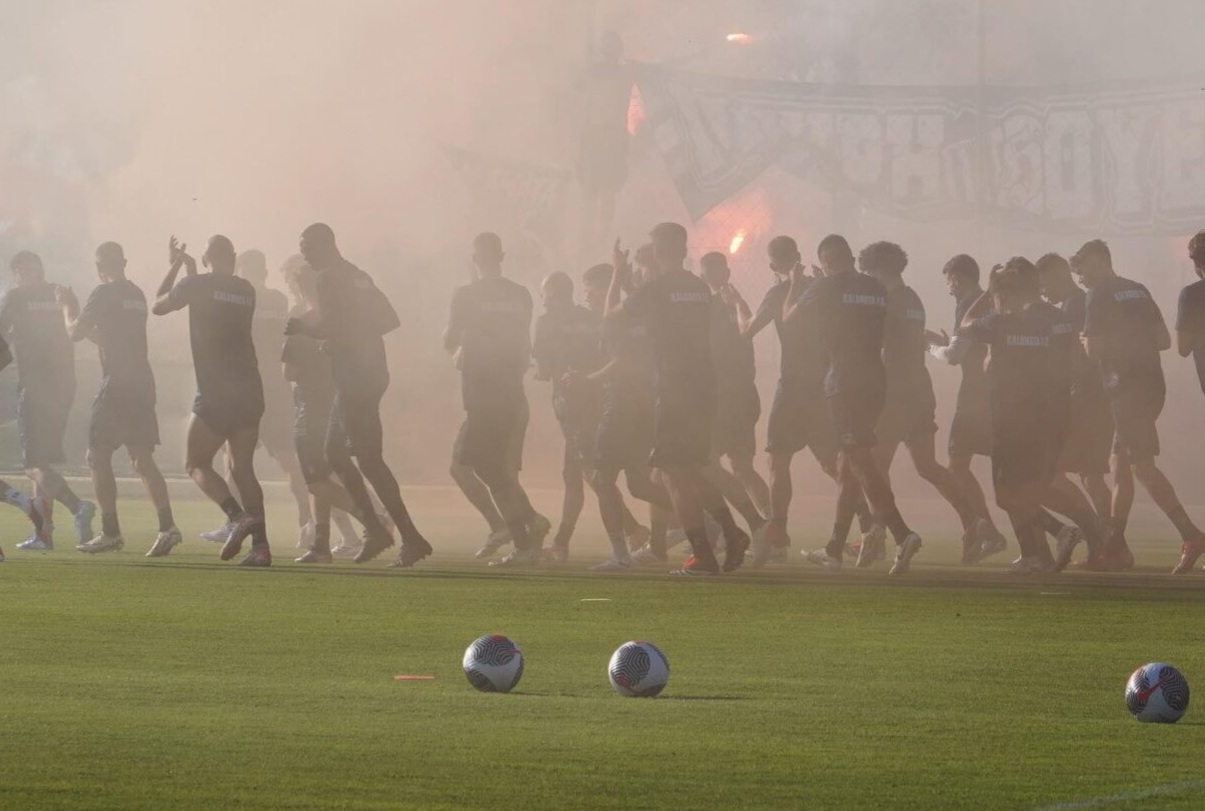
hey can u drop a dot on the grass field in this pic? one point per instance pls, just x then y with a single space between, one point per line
185 684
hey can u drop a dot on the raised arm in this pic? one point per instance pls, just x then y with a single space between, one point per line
178 257
620 279
982 306
797 297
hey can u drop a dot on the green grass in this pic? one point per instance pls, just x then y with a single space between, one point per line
186 684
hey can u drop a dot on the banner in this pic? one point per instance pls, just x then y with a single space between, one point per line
1128 159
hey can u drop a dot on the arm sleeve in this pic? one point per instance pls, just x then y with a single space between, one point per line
980 331
90 315
955 352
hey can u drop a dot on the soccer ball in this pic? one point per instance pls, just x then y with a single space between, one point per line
1157 693
638 670
493 664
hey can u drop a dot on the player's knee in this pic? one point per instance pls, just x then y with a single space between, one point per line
929 470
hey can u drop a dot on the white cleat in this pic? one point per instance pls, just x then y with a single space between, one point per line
102 543
306 535
645 556
1027 565
991 542
493 542
36 543
518 558
613 565
874 547
904 554
165 542
219 535
821 557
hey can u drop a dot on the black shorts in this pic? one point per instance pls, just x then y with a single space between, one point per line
123 419
800 418
42 422
682 430
229 417
735 429
310 448
581 435
492 437
624 437
1089 439
1135 413
855 413
1025 457
907 420
355 423
970 434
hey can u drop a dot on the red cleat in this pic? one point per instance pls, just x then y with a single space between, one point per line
1189 552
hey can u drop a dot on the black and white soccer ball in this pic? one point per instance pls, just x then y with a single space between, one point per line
493 664
1157 693
638 670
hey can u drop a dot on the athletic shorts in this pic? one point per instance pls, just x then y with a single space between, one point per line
970 434
276 432
1089 439
41 423
491 438
1025 457
735 429
682 431
355 423
229 417
624 437
1135 413
123 419
800 418
581 436
907 419
855 413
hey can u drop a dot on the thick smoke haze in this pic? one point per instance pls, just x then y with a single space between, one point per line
132 120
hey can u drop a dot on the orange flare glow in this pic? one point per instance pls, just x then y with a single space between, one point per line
739 38
738 239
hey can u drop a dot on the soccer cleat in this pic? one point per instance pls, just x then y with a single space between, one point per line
84 513
557 553
761 545
1031 564
612 565
259 557
538 528
874 548
693 567
646 556
904 553
240 529
821 557
165 542
991 542
305 537
376 540
734 552
36 543
412 552
219 535
1064 546
316 556
1189 552
637 538
495 541
779 556
518 558
102 543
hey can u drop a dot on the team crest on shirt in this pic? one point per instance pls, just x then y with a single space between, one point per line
233 298
1027 341
916 315
689 298
1129 295
863 300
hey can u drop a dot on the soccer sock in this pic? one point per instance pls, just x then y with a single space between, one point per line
231 508
865 517
701 548
836 545
166 519
1184 525
619 548
723 517
895 523
1048 523
259 535
322 537
109 525
563 533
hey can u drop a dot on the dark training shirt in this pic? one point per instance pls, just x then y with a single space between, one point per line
801 354
352 334
491 317
220 312
676 309
905 347
32 321
267 330
1123 314
851 309
972 390
115 317
1190 318
568 339
313 384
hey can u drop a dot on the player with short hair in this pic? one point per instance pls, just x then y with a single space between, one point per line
123 413
32 322
1190 311
489 332
352 316
230 394
850 310
1125 332
909 417
675 309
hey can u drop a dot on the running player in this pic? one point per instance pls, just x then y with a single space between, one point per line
568 349
675 309
971 428
32 507
230 395
739 405
850 309
271 313
489 330
123 413
32 322
1090 438
1029 380
910 413
1125 332
1190 313
308 368
799 416
352 316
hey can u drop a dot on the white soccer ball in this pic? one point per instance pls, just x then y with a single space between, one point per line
1157 693
493 664
638 670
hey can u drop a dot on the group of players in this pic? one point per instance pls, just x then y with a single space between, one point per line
654 378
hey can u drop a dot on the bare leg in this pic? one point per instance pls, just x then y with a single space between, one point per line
478 495
754 484
924 458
